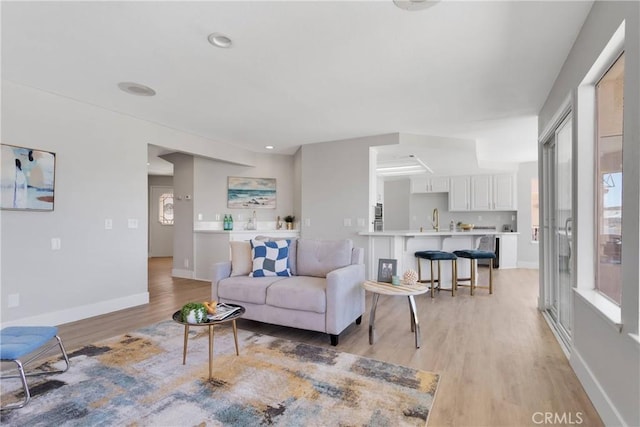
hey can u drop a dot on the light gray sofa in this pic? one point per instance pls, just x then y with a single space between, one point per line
323 294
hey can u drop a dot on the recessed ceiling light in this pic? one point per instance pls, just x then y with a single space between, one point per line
269 147
415 4
219 40
136 89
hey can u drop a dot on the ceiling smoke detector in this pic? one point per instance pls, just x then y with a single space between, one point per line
415 4
136 89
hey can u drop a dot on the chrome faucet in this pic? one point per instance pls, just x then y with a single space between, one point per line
435 219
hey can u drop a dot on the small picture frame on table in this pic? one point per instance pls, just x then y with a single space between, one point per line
387 268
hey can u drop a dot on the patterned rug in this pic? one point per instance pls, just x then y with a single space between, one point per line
139 379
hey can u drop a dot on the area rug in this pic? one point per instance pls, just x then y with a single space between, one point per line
139 379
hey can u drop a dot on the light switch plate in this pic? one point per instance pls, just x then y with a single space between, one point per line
108 224
13 300
55 244
133 223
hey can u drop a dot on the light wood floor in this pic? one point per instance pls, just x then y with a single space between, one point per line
498 360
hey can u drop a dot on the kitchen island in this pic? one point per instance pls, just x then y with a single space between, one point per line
402 244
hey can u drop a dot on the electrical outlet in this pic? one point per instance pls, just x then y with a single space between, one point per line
199 217
479 217
217 217
513 217
360 222
186 263
307 222
347 222
133 223
108 224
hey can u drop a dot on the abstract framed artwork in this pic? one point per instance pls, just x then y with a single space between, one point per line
27 178
253 193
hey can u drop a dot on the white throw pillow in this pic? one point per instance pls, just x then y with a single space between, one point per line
241 261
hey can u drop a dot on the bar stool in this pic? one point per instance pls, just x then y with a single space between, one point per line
438 256
473 256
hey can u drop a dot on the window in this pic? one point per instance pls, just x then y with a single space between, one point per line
609 180
165 209
535 211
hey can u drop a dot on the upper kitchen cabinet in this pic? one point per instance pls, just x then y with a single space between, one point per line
459 193
483 193
433 184
504 193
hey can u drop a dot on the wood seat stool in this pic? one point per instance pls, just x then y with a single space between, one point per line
473 255
438 256
19 341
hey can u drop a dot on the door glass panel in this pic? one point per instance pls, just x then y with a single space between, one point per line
564 219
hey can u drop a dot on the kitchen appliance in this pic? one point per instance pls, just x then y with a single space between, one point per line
378 225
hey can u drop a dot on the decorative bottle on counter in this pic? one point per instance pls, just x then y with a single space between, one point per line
225 225
230 222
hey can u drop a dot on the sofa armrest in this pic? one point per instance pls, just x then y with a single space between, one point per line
345 297
219 271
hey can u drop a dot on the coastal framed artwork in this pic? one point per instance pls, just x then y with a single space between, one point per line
253 193
27 178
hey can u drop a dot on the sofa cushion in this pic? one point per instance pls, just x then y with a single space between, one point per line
299 293
241 262
319 257
270 258
246 289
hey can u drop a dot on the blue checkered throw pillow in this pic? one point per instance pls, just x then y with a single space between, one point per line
270 258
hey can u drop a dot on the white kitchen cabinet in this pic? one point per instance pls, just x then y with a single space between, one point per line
504 192
438 184
481 194
434 184
459 193
418 184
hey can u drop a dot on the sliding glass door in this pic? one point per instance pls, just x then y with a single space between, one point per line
558 218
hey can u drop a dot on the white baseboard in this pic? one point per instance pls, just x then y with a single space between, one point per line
607 411
528 264
183 274
81 312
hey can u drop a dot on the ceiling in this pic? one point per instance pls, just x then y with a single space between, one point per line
302 72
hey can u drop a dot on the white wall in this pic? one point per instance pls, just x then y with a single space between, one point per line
396 204
335 186
100 173
605 358
183 194
210 187
528 255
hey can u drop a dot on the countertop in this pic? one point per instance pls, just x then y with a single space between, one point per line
426 233
242 231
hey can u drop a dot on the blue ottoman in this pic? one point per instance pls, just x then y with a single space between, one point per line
19 341
473 255
438 256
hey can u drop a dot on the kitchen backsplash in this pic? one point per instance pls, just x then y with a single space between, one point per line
422 205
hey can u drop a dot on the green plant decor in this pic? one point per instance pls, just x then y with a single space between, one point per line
194 312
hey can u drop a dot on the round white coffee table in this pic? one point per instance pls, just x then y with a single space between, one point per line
404 290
